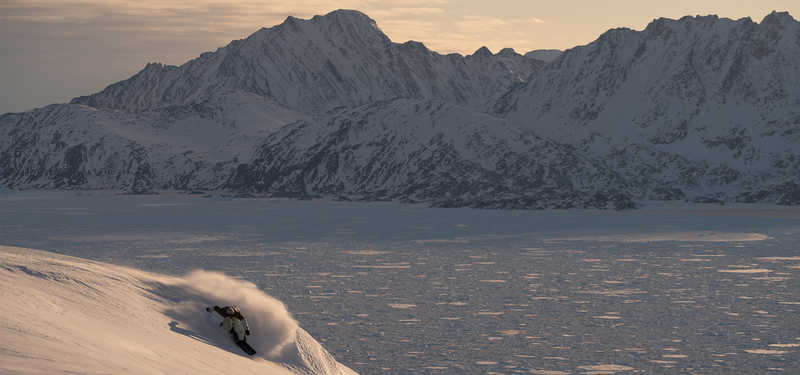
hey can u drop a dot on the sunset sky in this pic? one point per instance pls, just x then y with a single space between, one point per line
53 50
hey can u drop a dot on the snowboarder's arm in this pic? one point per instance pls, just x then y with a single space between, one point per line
246 326
220 311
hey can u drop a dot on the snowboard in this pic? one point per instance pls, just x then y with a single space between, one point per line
246 347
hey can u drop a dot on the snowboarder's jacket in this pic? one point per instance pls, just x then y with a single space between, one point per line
230 312
234 321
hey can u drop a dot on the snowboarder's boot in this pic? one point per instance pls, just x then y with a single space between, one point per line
235 337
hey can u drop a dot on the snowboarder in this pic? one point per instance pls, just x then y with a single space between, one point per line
233 322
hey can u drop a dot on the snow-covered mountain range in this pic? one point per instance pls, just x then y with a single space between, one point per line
698 108
427 151
340 59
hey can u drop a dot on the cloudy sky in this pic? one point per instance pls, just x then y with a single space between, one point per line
53 50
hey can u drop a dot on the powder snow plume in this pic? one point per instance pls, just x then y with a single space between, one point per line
271 324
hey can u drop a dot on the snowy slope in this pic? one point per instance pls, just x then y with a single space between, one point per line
61 314
339 59
427 151
178 147
700 105
187 127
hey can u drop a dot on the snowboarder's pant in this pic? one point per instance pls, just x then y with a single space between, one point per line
236 325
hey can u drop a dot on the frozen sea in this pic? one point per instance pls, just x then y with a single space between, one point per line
390 288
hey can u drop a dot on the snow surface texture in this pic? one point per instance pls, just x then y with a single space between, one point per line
700 108
65 314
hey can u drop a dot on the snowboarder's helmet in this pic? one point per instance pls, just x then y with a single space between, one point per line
229 310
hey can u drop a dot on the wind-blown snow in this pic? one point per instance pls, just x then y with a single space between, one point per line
63 314
275 326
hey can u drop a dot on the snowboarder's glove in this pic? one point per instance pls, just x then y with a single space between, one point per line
247 332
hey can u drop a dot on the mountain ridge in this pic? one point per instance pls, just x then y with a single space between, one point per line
718 121
724 104
313 65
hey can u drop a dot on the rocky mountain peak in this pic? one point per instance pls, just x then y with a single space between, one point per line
483 52
345 15
348 23
661 27
340 26
506 52
312 65
778 18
